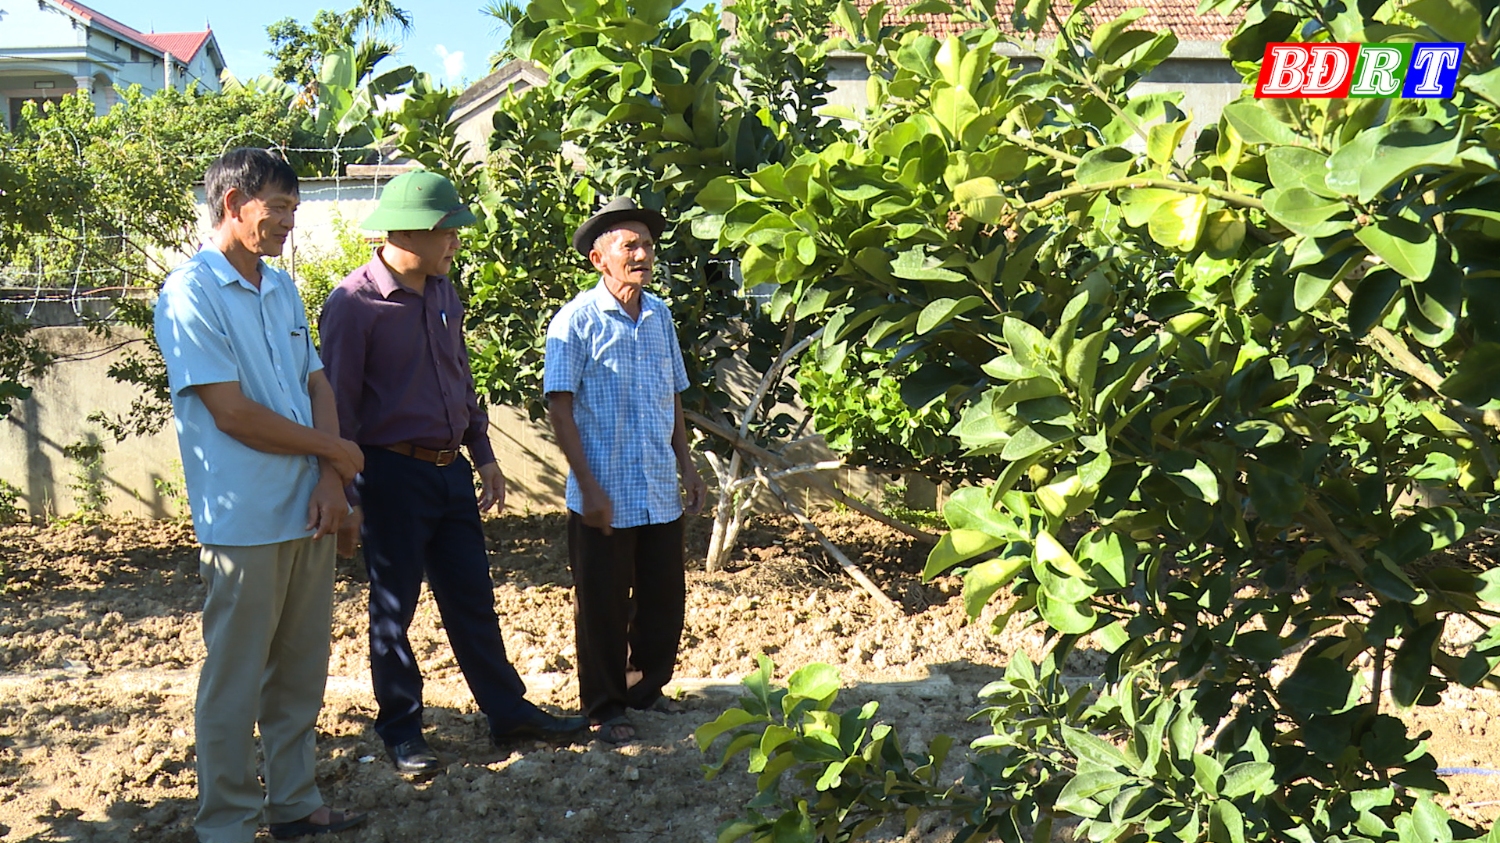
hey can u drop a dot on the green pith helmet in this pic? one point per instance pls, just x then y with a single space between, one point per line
419 201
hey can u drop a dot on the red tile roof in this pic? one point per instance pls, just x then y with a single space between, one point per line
1179 16
182 45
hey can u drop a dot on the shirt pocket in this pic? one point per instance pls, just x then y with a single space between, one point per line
299 352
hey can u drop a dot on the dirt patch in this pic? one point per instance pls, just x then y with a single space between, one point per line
100 640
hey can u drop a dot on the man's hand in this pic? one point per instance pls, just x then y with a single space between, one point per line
346 459
598 511
694 487
349 533
491 487
327 507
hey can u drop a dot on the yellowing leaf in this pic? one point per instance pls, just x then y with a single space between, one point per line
981 199
1177 223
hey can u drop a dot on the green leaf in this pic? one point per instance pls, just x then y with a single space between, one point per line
956 546
1092 748
1225 823
1307 213
731 719
1223 233
1247 778
1430 822
981 199
914 265
1412 666
1379 158
970 508
832 776
1453 20
814 682
1371 299
1105 551
940 311
1476 380
1298 167
1256 125
1317 686
954 109
1206 772
989 576
1104 164
1162 140
1192 476
1065 617
1407 247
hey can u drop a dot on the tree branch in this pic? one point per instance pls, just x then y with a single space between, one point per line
745 446
1228 197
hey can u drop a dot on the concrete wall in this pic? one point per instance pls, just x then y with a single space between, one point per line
135 476
1197 69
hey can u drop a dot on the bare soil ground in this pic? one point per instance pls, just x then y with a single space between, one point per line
99 643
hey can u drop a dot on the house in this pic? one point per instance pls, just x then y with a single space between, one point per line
1198 66
51 48
474 111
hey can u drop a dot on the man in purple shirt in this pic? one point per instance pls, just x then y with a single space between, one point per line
393 348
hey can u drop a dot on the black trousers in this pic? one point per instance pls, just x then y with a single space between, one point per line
423 519
629 597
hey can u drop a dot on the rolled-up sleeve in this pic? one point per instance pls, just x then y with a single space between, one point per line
194 343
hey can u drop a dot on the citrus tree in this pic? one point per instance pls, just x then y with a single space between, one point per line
1241 395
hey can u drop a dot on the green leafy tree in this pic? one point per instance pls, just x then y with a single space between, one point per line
371 30
1222 384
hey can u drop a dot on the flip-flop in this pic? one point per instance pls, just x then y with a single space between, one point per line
616 730
337 821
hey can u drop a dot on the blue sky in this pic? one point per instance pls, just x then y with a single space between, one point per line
451 39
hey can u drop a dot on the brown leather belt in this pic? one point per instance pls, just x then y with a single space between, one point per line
438 458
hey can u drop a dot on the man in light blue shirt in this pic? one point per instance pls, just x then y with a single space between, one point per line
265 471
612 376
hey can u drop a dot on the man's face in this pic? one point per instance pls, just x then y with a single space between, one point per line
434 248
625 254
262 222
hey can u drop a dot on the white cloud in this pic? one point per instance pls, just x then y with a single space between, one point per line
453 63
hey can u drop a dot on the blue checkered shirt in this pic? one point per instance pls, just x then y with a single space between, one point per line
624 374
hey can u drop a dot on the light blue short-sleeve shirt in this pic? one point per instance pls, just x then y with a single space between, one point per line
624 374
213 326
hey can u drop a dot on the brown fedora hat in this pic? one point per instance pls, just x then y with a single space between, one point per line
620 209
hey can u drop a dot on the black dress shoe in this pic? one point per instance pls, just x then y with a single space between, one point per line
413 757
543 726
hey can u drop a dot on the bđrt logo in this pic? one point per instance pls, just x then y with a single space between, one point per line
1409 71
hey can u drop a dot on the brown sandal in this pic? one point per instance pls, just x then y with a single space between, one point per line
616 730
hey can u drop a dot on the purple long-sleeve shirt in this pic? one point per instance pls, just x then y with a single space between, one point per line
398 365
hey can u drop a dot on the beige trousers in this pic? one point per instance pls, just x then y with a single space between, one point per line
266 625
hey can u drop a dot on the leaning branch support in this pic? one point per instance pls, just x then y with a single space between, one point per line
845 562
774 460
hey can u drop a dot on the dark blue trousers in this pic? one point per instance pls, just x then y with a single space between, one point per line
423 519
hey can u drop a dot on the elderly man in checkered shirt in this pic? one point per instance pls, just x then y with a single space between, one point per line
612 377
